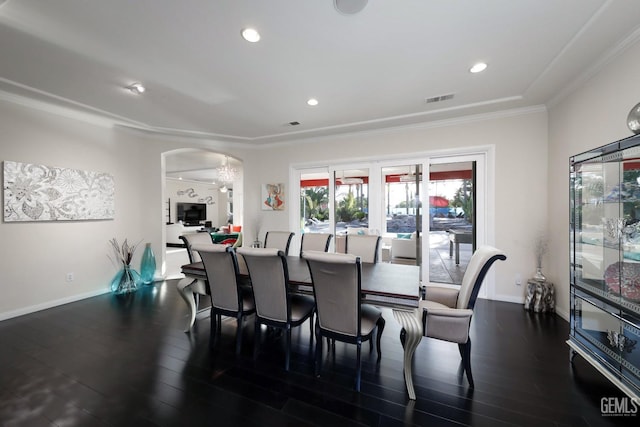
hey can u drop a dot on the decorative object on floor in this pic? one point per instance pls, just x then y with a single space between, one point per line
147 265
541 296
633 119
35 192
273 197
126 279
541 248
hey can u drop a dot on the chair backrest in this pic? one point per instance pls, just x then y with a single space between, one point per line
221 267
477 269
279 240
191 239
336 286
315 242
269 279
364 246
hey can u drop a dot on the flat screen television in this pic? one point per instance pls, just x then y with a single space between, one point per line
191 213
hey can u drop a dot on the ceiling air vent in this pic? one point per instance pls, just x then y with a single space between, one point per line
438 98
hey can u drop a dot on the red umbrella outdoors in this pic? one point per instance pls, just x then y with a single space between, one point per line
438 202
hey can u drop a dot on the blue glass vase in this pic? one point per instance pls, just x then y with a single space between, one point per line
125 281
147 265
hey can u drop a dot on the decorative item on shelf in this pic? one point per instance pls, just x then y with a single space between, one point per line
633 119
623 278
147 265
540 249
126 279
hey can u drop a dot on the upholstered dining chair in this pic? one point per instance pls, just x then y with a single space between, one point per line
279 240
365 246
341 315
275 305
228 297
446 313
315 242
190 289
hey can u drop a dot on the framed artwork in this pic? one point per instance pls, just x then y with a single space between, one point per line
35 192
273 197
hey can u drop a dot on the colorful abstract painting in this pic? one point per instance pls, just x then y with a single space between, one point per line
273 197
44 193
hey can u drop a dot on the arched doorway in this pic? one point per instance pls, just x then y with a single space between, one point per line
192 179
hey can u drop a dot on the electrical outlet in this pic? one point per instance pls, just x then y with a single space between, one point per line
69 277
518 279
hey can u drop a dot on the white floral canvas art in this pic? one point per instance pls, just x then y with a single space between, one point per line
44 193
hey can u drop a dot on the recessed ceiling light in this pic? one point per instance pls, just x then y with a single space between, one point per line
478 68
251 35
136 88
312 102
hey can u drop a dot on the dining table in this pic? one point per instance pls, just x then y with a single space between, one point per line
395 285
384 284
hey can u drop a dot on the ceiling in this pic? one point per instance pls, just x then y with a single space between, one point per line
369 70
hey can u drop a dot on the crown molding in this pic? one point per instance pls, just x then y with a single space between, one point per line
596 68
456 121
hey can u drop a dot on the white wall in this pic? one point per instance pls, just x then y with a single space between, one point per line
520 177
35 257
592 116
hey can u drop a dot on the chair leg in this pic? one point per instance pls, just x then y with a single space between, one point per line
311 327
465 350
318 361
213 331
358 366
238 334
288 354
380 326
256 341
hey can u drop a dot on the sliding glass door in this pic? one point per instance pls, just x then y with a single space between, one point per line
452 213
435 223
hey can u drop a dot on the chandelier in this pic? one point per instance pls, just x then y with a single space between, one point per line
225 172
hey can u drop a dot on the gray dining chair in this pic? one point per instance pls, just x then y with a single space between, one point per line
315 242
279 240
275 306
365 246
190 289
340 313
228 296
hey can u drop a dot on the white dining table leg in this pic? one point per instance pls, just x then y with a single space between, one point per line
186 291
412 327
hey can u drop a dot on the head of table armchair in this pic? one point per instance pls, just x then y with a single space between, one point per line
446 312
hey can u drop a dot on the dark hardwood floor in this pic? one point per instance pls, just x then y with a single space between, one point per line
107 361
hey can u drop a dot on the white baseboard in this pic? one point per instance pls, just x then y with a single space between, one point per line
509 298
51 304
